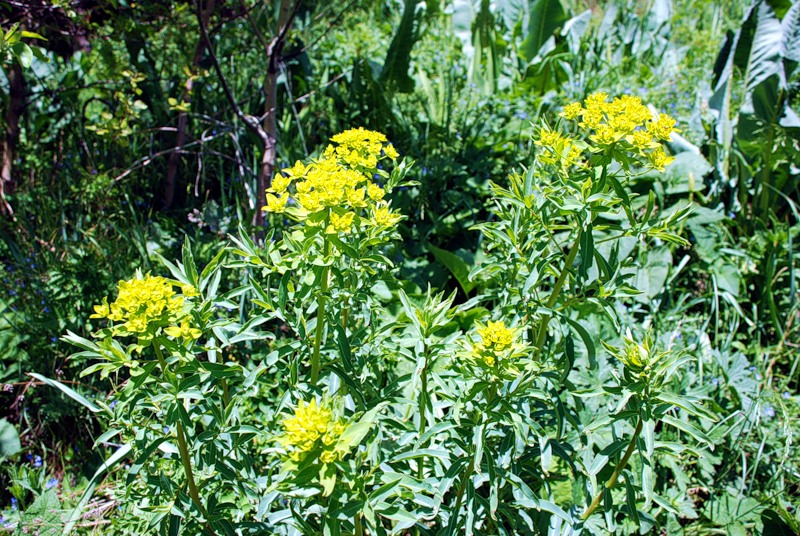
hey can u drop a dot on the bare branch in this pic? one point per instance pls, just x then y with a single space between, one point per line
248 120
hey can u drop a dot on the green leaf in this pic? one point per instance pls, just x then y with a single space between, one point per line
651 277
456 265
791 38
687 403
9 439
23 53
780 522
352 436
648 483
31 35
689 429
766 52
630 497
588 342
82 400
546 16
327 478
43 517
398 56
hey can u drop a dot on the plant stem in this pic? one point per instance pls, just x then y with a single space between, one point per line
562 277
161 361
611 482
321 302
359 529
423 406
184 452
461 489
187 465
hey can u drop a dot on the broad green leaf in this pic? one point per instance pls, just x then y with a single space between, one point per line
652 275
9 439
767 46
457 266
43 517
546 16
23 53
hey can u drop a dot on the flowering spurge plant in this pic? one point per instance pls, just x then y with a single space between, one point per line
561 257
376 408
176 402
345 222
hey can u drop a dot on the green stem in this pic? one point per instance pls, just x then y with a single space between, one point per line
562 277
461 489
184 452
612 481
359 528
161 361
321 303
187 465
423 406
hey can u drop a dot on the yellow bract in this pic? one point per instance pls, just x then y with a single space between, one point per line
340 224
336 187
312 427
497 343
189 291
623 123
140 302
496 336
662 127
185 331
275 203
572 111
659 159
383 217
374 192
559 149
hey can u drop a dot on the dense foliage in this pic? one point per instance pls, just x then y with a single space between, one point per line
452 267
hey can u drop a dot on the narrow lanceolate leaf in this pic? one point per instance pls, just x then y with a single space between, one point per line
687 403
648 484
689 429
630 497
70 392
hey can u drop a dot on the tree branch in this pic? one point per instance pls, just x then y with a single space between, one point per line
248 120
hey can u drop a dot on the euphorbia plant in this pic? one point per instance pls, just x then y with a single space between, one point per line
374 412
176 400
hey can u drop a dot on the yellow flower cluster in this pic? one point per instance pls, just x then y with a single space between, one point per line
143 302
496 338
140 302
337 189
360 147
311 427
561 150
624 120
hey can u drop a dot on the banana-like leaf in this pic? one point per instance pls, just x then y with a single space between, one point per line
546 16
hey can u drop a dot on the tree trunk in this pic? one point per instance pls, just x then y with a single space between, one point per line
287 12
16 105
170 183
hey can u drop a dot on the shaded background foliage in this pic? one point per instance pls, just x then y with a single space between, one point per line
139 131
